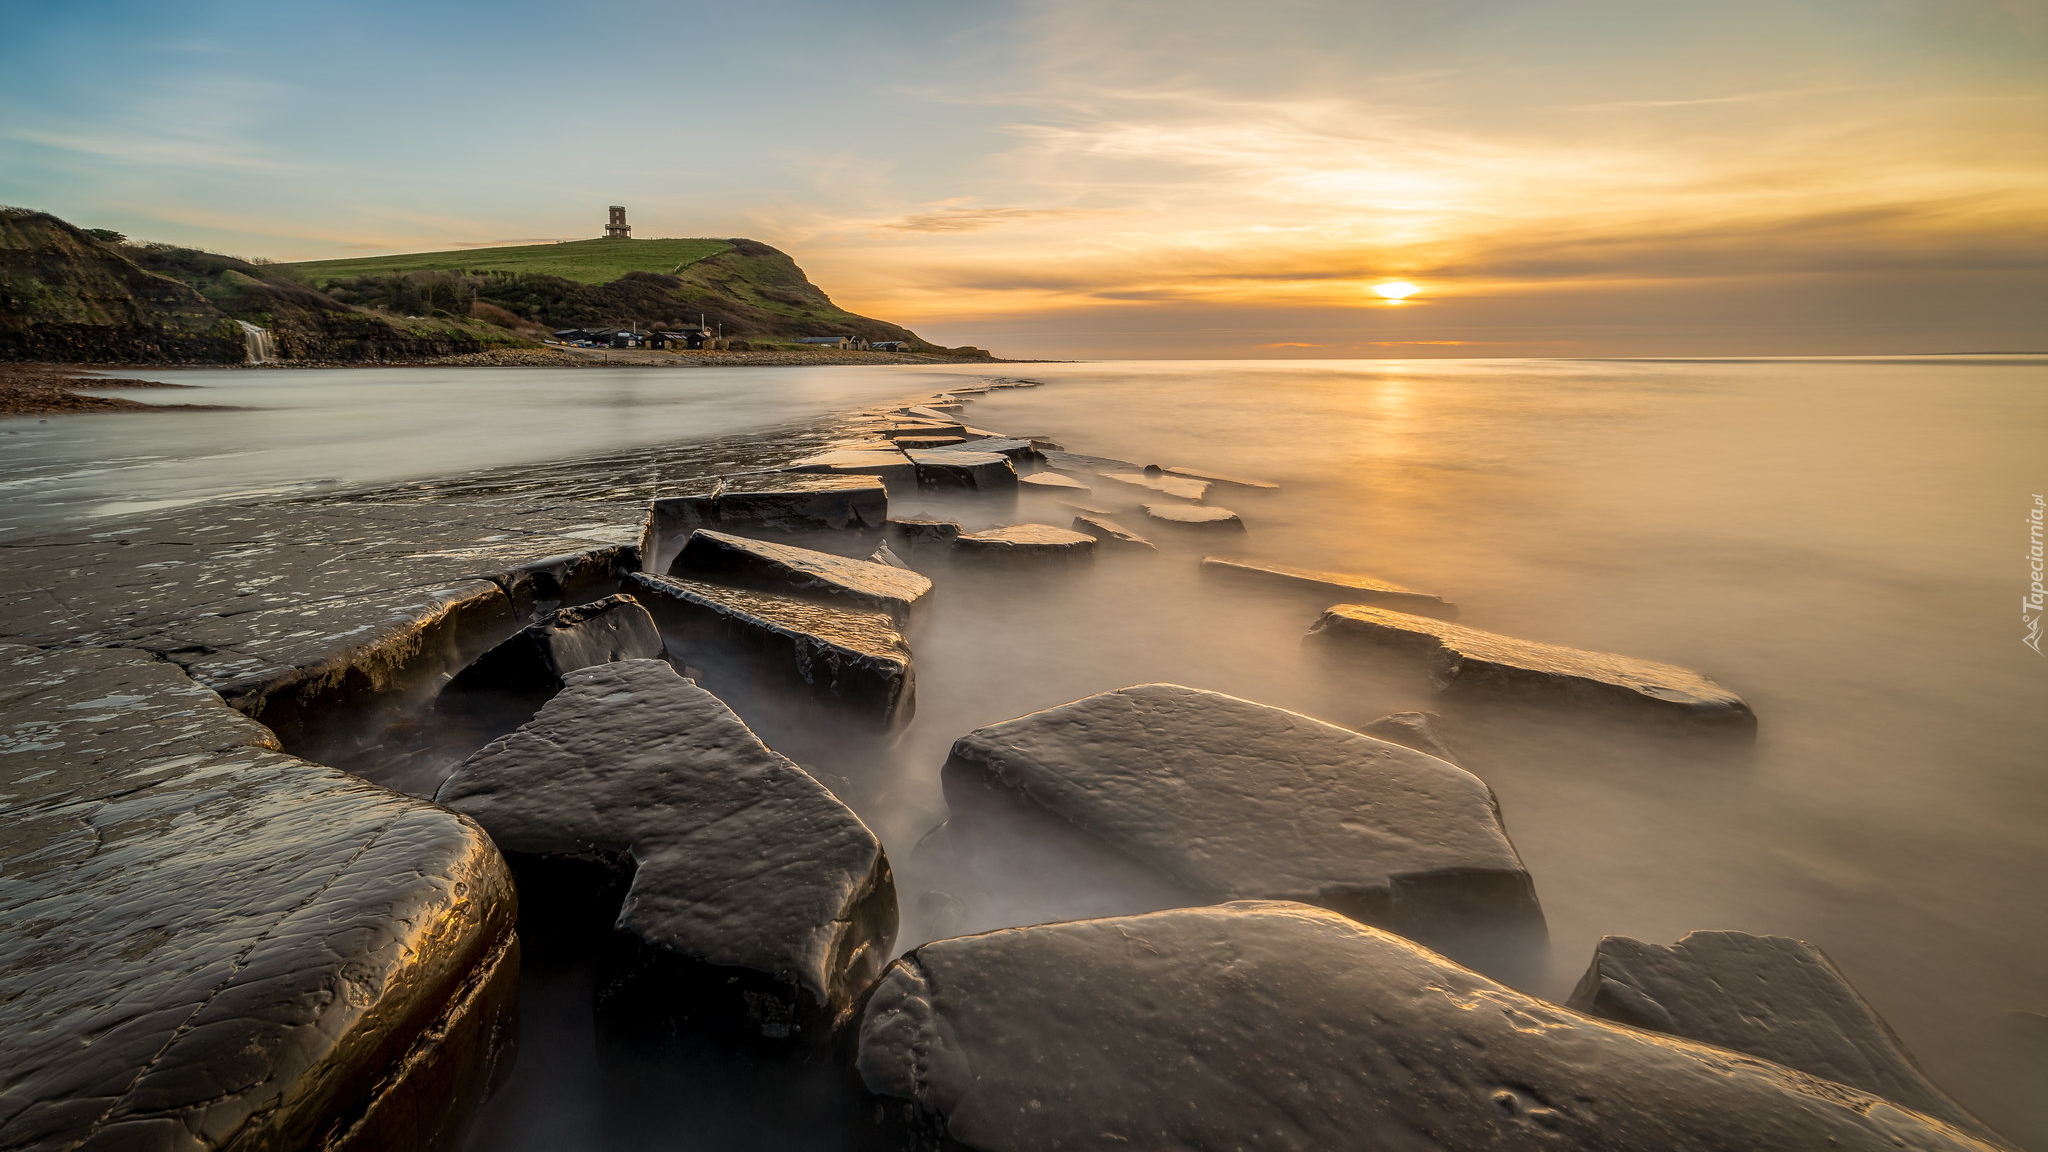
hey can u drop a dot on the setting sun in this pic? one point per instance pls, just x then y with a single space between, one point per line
1396 290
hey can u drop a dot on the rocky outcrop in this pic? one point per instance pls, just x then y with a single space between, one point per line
1213 477
1767 996
887 464
964 469
208 943
755 895
842 655
916 531
1180 486
1239 800
1336 585
1026 540
744 563
1108 531
1469 659
776 504
1196 516
1283 1027
531 666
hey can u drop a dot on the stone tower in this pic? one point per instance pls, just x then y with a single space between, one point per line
618 229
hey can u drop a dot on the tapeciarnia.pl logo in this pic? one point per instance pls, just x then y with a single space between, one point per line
2031 605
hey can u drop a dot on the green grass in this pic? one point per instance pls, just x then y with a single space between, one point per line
588 261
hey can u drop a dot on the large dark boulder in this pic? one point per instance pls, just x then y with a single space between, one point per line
1280 1027
531 665
1240 800
205 943
1769 996
754 893
745 563
1469 659
842 655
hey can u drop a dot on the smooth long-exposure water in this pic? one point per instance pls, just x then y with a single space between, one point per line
1842 542
303 431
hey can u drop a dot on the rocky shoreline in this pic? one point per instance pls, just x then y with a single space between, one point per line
306 959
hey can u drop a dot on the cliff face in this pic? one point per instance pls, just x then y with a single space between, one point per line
66 296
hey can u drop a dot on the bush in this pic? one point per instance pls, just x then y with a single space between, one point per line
106 235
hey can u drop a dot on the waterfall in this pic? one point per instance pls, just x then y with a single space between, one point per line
256 341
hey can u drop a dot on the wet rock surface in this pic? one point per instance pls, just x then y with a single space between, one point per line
1216 478
1026 540
761 564
1239 800
1351 587
1108 531
208 943
1767 996
1180 486
915 531
842 655
1469 659
964 469
742 865
1279 1026
532 664
888 464
780 503
1196 516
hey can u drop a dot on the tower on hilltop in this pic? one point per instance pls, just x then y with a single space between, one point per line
618 229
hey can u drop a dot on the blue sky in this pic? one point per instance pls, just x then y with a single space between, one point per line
1060 178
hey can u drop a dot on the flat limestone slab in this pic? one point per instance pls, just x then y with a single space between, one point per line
740 860
1767 996
1196 516
928 443
1053 480
534 661
1468 658
1180 486
1013 447
844 655
1026 539
1219 478
1362 589
964 468
1286 1028
745 563
1239 800
205 943
776 503
886 462
1109 531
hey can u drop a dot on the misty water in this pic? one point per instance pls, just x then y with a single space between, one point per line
1842 542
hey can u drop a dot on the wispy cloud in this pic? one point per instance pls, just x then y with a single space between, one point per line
956 216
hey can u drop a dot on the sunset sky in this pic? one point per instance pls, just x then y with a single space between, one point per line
1121 177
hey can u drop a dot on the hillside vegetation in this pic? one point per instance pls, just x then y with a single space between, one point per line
68 295
584 261
89 296
743 288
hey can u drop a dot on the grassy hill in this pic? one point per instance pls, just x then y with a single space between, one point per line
583 261
745 288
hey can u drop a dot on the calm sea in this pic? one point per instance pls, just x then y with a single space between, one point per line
1843 542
